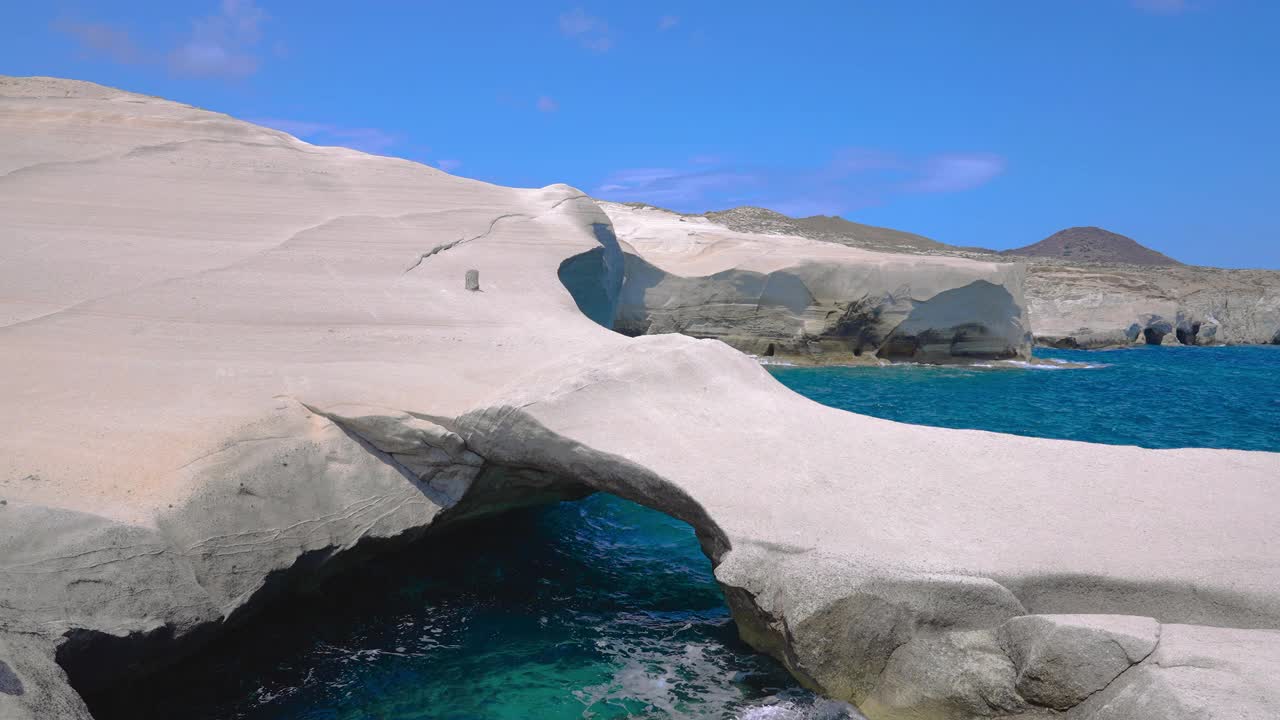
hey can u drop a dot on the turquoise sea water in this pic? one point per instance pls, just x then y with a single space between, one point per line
603 609
1151 396
598 608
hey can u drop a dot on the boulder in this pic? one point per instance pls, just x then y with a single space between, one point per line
1060 660
1196 673
809 301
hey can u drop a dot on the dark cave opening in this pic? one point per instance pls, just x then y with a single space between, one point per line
536 612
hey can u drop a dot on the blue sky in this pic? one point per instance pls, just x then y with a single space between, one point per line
974 122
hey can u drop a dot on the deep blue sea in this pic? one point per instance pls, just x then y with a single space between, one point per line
598 608
1150 395
603 609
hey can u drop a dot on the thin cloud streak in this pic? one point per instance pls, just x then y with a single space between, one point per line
370 140
671 186
590 32
1162 7
102 39
855 178
547 105
957 172
220 45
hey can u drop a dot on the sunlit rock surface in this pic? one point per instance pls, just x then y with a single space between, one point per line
232 362
1095 306
790 297
1085 287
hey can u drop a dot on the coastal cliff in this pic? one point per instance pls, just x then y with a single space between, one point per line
1104 306
234 363
807 301
1084 287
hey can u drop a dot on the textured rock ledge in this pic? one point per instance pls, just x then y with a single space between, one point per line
1097 306
896 638
808 301
1072 303
234 362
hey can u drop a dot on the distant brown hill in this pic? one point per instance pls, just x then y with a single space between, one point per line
1093 244
828 228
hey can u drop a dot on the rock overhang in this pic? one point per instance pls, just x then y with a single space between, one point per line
812 301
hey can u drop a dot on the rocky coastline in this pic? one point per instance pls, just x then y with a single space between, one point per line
808 302
1092 306
237 363
1101 298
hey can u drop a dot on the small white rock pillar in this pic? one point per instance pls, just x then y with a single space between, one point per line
473 280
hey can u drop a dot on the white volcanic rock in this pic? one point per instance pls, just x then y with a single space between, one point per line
1093 306
1196 672
783 295
1082 301
234 362
32 685
1063 659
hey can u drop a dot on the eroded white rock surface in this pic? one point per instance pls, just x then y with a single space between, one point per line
787 296
1091 300
1093 306
232 362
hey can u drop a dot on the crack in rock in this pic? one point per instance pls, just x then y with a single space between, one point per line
461 241
560 202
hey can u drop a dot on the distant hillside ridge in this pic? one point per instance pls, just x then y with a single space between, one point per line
1093 245
1085 287
828 228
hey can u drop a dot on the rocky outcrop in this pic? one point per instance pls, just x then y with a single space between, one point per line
1097 306
830 228
787 297
233 363
32 684
1085 287
1061 660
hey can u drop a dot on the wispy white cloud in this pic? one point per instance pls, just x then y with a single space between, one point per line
547 105
666 22
671 186
590 32
852 179
954 172
114 43
1162 7
222 44
370 140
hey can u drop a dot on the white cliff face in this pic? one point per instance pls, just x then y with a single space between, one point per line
1075 305
1091 300
812 301
232 362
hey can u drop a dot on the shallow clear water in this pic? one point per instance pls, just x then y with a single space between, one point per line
1152 396
599 608
604 609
